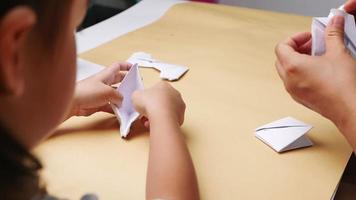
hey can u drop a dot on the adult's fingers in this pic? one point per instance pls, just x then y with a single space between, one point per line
290 62
280 70
287 55
306 48
350 6
334 35
300 42
299 39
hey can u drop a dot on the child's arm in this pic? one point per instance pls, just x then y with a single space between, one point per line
94 93
171 172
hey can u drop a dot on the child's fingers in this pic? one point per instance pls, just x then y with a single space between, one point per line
145 122
117 78
107 108
112 75
113 96
124 66
107 74
89 111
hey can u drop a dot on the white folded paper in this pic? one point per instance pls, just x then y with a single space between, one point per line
318 32
127 113
168 71
285 134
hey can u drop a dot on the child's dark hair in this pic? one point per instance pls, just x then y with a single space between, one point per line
19 169
52 15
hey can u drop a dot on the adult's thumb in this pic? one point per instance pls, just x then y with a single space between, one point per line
334 34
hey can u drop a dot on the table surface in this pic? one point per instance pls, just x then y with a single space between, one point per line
232 88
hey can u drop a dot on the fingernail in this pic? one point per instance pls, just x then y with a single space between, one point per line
338 21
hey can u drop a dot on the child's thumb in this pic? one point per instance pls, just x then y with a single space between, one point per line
334 34
114 97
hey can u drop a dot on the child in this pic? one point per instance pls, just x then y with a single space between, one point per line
37 79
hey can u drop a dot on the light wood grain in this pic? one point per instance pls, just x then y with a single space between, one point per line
232 87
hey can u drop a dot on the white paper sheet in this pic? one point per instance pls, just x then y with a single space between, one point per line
284 134
127 113
141 14
86 69
168 71
318 32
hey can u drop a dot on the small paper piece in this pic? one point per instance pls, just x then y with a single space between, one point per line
285 134
168 71
86 69
127 113
318 32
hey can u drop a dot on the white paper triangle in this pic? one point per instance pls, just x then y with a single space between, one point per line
127 113
284 134
168 71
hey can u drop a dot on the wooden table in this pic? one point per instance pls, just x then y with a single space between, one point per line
232 87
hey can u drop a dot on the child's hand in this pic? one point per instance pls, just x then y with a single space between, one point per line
160 102
94 93
170 167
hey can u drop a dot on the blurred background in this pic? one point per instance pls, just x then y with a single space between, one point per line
103 9
302 7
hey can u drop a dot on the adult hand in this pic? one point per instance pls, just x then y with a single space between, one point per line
350 7
327 83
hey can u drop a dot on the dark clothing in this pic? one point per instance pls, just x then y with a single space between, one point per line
18 170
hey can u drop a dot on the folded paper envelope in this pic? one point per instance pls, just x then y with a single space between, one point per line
168 71
318 32
285 134
127 113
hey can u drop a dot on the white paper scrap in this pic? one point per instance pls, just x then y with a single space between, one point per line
319 25
127 114
168 71
86 69
285 134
